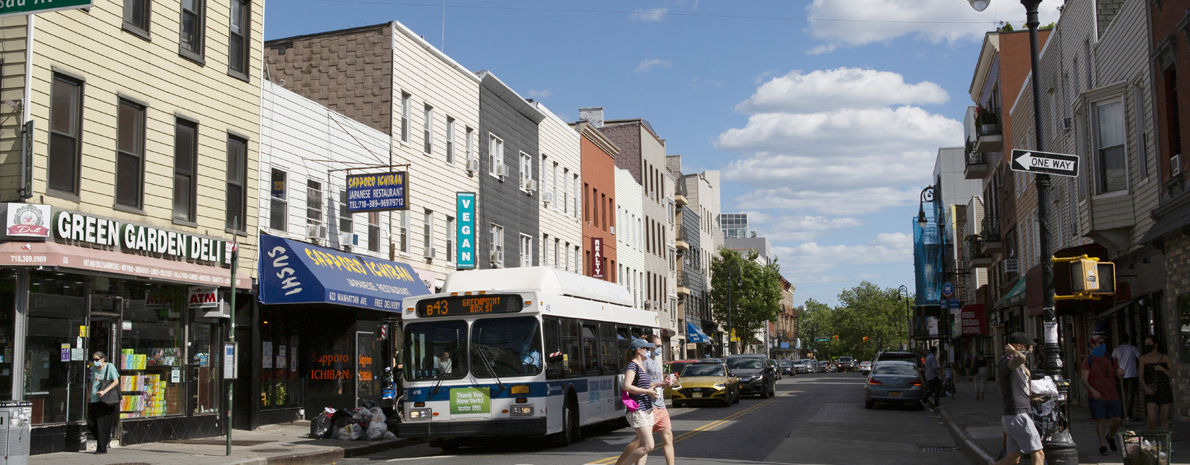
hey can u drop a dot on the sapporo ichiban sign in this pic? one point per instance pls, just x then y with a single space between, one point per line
1032 161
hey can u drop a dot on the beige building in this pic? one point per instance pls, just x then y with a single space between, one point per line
140 171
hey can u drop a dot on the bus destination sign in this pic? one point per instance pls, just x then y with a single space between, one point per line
469 305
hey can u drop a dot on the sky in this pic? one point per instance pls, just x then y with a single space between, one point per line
824 116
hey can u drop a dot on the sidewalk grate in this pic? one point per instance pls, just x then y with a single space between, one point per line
938 450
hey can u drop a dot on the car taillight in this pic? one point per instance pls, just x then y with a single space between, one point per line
916 383
875 382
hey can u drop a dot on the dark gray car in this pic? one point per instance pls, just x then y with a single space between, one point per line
757 375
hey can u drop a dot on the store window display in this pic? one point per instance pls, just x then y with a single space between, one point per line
151 357
280 381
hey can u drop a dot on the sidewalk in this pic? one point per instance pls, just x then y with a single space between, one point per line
287 444
975 426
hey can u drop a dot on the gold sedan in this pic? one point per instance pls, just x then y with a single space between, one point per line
705 382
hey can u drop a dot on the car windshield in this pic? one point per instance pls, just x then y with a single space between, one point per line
511 346
844 359
677 367
702 370
898 369
435 349
745 363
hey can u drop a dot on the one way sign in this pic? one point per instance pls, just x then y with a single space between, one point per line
1031 161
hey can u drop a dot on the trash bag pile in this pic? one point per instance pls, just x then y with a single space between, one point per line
351 425
1139 450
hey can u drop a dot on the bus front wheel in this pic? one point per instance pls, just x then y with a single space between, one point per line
570 424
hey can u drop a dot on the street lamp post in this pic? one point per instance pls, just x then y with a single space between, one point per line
1058 443
934 194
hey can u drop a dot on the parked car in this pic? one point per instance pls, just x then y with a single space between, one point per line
801 366
846 363
706 383
865 367
677 366
893 381
776 369
787 367
899 355
756 375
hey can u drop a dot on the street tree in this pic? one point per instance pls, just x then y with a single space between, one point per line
755 292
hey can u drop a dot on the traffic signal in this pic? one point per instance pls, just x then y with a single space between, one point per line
835 338
865 338
1084 276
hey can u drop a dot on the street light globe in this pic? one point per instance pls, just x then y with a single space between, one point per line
979 5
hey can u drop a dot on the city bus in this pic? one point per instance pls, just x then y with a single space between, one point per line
520 352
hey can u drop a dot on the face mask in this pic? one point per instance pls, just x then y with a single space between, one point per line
657 352
1099 350
97 362
1150 347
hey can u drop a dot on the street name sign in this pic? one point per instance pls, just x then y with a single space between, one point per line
822 339
1032 161
25 7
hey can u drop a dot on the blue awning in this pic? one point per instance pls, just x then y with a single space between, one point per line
695 335
293 272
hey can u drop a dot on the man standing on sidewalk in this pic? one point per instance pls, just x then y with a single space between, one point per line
1098 374
1125 355
1013 376
933 381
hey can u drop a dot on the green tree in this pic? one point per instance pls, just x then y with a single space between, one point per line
755 292
868 311
818 322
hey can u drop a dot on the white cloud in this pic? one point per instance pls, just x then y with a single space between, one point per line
651 63
824 48
810 258
849 202
839 88
649 16
540 93
797 228
859 22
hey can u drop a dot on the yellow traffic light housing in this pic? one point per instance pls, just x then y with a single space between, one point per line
835 338
1084 276
1089 277
865 338
1107 278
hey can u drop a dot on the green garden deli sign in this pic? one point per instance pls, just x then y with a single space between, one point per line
465 401
24 7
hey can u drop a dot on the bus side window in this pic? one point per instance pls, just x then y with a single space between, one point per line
554 367
623 339
570 347
607 348
590 349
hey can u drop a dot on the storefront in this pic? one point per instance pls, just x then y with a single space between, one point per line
698 344
326 327
95 284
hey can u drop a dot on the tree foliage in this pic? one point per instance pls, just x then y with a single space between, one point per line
863 311
755 292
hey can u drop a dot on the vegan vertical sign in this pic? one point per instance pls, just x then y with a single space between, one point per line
467 401
466 232
25 7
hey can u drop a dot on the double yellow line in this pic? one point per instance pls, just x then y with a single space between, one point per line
706 427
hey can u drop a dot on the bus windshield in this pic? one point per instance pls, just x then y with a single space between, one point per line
435 350
506 347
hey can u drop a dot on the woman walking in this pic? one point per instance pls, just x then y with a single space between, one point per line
638 387
104 378
1156 369
979 371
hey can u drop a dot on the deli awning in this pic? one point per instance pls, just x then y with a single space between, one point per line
52 254
695 335
293 272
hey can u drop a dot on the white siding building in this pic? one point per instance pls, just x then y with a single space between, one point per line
560 162
630 242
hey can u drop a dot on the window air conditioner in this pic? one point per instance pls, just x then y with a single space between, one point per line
349 239
473 165
315 231
547 197
501 170
430 253
526 184
612 229
1175 165
1064 123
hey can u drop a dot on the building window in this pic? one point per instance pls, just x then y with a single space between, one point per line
450 140
136 17
66 122
496 238
194 16
577 196
185 166
1142 132
1112 172
238 47
450 239
554 186
467 144
427 232
526 250
130 154
566 191
403 231
566 257
495 154
405 117
277 201
428 130
237 178
345 218
557 265
374 231
526 172
313 203
545 253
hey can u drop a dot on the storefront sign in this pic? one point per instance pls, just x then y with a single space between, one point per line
597 257
132 238
784 345
466 234
203 297
464 401
974 323
296 272
28 220
932 324
377 192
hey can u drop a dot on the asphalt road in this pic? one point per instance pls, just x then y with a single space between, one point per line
815 419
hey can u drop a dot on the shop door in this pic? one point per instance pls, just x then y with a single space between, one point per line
104 335
367 356
202 372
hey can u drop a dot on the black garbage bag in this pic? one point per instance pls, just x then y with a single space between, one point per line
342 417
321 427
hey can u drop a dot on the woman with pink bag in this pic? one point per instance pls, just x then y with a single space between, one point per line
638 397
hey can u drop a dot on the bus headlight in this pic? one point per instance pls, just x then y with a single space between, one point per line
521 410
420 414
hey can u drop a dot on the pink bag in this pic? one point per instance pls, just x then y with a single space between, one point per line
629 402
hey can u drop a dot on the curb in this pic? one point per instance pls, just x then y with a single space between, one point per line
960 436
333 453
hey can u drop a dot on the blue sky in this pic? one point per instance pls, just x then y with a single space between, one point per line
825 116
